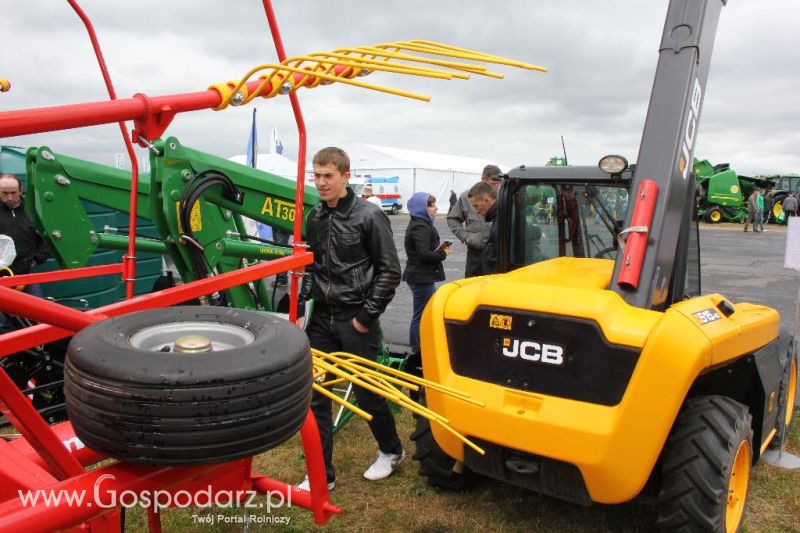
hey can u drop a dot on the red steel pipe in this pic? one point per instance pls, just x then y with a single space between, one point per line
15 516
317 501
23 415
139 107
66 434
129 260
41 310
61 275
25 338
301 157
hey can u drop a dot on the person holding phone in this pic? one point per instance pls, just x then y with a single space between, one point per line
424 266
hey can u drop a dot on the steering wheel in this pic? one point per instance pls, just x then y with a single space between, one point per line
609 252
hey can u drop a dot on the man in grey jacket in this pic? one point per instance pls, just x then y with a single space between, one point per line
470 228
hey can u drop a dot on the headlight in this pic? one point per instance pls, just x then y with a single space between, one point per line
613 164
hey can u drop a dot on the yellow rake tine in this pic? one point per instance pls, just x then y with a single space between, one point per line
325 392
374 64
426 49
355 380
487 57
376 382
467 54
396 54
481 71
420 381
408 57
387 377
463 439
332 382
404 401
312 74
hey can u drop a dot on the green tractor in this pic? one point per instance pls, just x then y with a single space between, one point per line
783 185
722 193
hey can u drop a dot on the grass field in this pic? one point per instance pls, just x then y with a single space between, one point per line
404 502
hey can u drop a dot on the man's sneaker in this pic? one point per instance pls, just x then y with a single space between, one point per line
306 485
384 465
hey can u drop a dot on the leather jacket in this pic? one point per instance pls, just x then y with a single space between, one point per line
29 245
356 268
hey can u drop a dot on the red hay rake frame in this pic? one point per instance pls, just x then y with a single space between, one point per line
51 458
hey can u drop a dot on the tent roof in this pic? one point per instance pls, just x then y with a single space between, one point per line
364 155
271 162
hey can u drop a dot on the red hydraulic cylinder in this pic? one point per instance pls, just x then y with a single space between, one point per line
638 232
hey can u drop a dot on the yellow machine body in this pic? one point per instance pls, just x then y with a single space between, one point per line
615 447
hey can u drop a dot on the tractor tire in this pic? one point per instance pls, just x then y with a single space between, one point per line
713 216
131 396
788 399
706 467
434 463
777 208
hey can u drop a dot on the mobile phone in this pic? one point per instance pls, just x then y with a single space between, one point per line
444 243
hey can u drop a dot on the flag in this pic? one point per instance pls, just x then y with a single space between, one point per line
276 146
252 144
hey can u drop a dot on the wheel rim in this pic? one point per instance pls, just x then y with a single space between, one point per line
737 487
777 208
716 216
162 336
792 392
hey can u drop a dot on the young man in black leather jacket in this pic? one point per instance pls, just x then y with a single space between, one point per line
355 272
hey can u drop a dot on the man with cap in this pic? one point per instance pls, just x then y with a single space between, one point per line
470 227
367 194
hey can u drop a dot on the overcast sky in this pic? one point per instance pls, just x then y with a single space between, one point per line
601 56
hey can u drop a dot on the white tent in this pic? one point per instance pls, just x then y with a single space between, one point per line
273 163
417 171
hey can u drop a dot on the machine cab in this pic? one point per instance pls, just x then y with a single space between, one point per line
575 211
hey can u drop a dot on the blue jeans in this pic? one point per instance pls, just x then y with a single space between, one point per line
422 292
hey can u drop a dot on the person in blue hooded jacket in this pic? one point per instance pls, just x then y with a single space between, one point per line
424 255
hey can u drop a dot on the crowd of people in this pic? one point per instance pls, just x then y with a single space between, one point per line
760 208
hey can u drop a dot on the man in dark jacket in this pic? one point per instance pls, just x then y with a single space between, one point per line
483 198
470 228
14 222
354 276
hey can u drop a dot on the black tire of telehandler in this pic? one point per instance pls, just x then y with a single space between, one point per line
434 463
787 396
697 462
180 409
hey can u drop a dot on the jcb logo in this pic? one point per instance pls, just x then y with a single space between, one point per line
551 354
689 134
